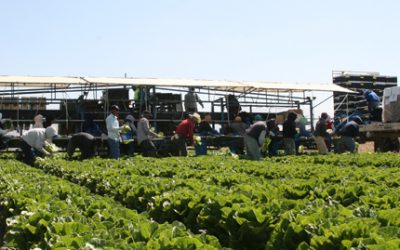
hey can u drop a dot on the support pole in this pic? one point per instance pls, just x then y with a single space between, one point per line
222 115
212 114
154 103
311 114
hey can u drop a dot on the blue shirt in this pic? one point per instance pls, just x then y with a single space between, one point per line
372 97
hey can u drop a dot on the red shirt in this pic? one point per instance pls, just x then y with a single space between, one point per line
329 124
185 129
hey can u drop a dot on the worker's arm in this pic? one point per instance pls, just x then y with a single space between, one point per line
39 145
199 101
147 131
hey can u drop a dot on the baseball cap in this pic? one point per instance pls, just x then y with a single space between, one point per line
115 107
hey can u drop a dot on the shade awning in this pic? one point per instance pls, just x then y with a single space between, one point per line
66 81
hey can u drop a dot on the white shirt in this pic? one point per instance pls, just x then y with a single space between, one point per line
143 129
112 127
35 138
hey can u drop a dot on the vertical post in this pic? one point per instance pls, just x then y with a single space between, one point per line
227 107
311 113
105 93
154 102
212 114
222 115
95 91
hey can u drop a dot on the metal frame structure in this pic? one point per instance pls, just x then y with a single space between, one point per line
251 94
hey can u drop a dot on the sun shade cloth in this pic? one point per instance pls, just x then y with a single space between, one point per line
66 81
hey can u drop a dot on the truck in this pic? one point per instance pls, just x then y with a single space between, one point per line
386 133
383 132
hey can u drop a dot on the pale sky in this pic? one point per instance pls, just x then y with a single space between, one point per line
280 41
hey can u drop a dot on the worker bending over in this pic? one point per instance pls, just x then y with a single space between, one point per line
34 143
184 132
85 142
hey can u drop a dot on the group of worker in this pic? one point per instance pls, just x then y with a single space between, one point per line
347 128
347 133
121 137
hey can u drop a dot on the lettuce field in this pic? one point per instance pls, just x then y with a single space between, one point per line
349 201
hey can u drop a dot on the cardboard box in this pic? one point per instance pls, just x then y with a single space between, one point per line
391 105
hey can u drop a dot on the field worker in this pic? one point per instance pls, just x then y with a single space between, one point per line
238 127
128 130
254 139
90 127
36 139
85 142
349 132
184 132
233 106
80 107
273 133
373 101
38 121
321 134
140 98
258 118
330 129
113 129
289 132
204 130
191 100
144 136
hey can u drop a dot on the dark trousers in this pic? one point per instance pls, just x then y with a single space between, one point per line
273 148
127 148
180 146
27 153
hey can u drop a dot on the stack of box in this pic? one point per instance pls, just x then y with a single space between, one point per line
347 104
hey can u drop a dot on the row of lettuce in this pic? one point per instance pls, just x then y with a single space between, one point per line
316 202
46 212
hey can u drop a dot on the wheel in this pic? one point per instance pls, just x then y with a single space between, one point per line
387 145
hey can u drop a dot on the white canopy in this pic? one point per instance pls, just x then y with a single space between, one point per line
66 81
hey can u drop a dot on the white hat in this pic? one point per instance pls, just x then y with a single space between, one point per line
197 117
50 132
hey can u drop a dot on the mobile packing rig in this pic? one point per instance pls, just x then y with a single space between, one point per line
17 104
